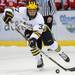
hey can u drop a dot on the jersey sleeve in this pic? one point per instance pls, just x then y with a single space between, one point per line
20 10
20 13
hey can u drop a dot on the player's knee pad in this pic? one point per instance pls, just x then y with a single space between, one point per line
33 43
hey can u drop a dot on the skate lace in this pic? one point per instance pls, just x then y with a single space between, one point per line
63 55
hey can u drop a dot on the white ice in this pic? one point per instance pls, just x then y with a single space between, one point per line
19 61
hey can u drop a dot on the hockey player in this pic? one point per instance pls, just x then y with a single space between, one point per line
36 32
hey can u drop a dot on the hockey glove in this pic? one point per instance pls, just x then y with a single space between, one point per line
8 17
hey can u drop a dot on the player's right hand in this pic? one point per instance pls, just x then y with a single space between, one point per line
8 17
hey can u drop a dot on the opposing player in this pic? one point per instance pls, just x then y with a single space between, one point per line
36 31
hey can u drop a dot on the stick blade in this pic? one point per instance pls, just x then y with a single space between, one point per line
71 69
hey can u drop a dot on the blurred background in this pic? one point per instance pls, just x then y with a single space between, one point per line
60 4
63 27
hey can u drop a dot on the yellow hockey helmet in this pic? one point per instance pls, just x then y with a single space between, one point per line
32 5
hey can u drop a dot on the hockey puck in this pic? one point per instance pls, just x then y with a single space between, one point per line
57 71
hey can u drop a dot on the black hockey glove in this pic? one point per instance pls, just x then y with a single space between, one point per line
8 17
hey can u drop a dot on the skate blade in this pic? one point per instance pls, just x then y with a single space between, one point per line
40 69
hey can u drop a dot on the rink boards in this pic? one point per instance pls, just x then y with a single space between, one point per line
63 31
25 43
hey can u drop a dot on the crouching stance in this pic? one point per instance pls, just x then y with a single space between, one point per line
35 42
37 32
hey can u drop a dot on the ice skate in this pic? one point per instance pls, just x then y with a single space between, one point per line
40 63
64 57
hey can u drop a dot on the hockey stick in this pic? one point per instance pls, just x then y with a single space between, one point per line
65 69
20 32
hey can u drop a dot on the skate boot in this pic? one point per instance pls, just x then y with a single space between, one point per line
40 63
64 57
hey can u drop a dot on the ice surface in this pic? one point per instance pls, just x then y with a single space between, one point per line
19 61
